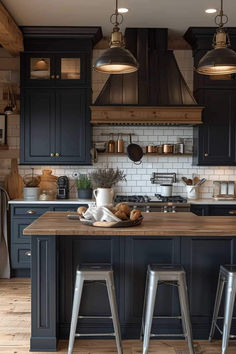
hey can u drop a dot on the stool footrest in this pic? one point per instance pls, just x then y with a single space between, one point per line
167 335
95 317
94 334
168 317
231 336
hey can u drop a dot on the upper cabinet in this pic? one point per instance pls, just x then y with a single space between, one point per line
215 139
58 69
56 95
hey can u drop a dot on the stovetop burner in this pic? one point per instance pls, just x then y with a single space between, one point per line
172 199
146 199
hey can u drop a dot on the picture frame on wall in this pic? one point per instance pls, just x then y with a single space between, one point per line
3 130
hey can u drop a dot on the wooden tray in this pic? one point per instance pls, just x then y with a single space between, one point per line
125 223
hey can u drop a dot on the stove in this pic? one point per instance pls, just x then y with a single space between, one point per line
146 199
157 203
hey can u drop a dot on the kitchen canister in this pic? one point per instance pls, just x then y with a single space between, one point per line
31 193
192 192
104 196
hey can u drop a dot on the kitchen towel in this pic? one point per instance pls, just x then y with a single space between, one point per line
4 253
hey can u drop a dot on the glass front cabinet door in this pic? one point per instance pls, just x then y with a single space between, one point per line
54 69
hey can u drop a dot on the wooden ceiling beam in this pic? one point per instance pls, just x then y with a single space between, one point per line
11 37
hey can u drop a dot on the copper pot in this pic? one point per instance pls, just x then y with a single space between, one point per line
167 149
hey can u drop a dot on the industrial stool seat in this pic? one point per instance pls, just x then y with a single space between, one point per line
95 272
227 276
168 274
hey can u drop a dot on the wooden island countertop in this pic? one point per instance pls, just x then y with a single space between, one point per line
154 224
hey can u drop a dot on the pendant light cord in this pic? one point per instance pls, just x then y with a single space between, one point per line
221 19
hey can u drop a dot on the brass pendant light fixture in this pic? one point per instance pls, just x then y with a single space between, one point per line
221 60
117 59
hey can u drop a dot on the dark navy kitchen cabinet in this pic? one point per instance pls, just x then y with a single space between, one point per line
214 210
214 140
55 126
56 94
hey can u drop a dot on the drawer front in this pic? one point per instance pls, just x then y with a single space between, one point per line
17 227
68 207
223 210
30 211
20 256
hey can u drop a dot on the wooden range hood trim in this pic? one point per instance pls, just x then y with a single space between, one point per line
153 115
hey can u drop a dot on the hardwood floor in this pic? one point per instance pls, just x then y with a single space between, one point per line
15 330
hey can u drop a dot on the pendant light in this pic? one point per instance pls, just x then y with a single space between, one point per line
8 110
116 59
220 60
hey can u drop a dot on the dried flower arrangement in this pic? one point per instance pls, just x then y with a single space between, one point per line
106 178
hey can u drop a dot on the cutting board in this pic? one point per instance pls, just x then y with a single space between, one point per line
14 182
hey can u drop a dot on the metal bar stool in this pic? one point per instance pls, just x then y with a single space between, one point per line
95 272
227 276
172 275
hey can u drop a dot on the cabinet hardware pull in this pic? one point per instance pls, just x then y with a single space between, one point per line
57 76
52 76
57 154
31 211
28 253
52 154
206 154
232 212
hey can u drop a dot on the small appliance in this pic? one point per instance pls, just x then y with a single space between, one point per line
63 187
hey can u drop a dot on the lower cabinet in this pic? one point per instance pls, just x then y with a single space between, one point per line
22 216
214 210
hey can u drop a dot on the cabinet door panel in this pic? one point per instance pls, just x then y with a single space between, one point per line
217 134
72 126
72 69
38 126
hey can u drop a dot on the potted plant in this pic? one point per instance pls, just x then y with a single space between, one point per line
102 181
84 188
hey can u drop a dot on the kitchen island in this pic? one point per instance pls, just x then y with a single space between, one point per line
200 244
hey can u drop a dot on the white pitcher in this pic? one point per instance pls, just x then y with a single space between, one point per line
104 196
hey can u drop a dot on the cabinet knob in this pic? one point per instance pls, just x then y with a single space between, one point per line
28 253
52 154
57 154
31 212
57 76
52 76
206 154
232 212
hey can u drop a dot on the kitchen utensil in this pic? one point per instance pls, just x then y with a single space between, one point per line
135 152
100 146
166 190
195 180
199 183
167 149
189 182
111 145
150 149
14 182
185 180
120 144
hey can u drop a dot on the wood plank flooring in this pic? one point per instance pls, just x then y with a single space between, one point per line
15 330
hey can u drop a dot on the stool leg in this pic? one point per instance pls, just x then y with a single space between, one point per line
75 311
229 307
151 297
219 292
144 308
184 304
114 312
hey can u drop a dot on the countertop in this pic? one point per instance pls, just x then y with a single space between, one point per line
154 224
209 201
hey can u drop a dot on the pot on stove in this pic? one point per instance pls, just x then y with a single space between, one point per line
166 190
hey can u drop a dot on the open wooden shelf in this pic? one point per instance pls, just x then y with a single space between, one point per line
145 154
4 147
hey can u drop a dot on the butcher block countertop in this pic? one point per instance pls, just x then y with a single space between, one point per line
154 224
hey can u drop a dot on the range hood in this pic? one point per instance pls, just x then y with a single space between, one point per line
156 94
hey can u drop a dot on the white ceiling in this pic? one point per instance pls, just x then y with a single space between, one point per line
177 15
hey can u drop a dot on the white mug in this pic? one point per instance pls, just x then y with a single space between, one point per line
104 196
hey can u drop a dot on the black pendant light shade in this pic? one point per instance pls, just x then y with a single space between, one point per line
221 60
218 62
116 60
